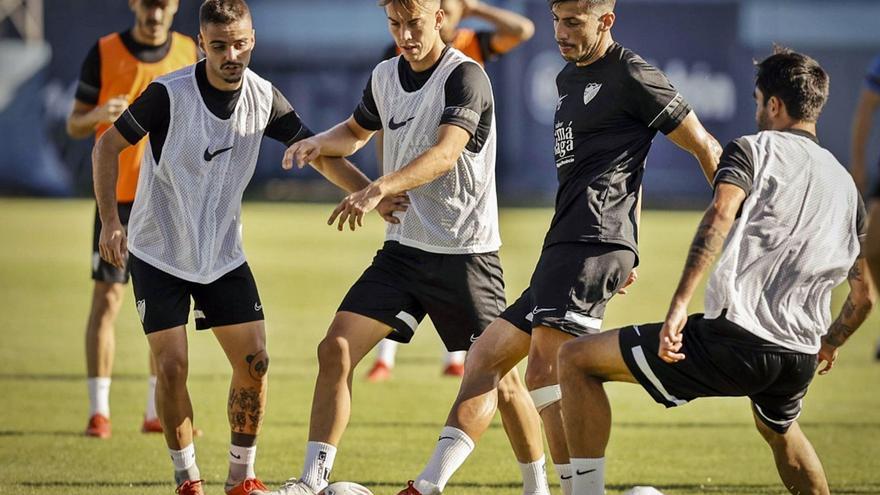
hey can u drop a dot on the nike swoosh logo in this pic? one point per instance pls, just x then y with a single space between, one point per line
210 156
565 477
397 125
581 473
236 456
258 307
473 338
444 438
542 310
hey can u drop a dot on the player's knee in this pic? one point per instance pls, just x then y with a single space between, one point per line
540 374
106 298
510 387
172 367
333 354
574 358
257 364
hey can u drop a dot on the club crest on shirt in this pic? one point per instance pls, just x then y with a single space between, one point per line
590 92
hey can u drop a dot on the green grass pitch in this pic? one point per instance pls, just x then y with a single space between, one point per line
303 269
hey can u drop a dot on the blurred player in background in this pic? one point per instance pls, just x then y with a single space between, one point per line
509 30
115 72
863 124
767 323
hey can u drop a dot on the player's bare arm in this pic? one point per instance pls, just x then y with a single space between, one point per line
344 139
344 175
511 29
707 243
869 103
105 157
84 117
692 137
433 163
855 311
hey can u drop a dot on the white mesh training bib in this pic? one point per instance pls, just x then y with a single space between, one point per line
795 240
458 212
186 218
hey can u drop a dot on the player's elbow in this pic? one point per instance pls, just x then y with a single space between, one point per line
525 31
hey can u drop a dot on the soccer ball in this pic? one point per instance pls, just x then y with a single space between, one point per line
345 488
643 490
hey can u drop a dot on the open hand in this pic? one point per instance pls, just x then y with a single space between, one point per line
355 206
301 153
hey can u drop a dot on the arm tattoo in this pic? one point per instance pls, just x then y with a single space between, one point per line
840 332
855 273
705 246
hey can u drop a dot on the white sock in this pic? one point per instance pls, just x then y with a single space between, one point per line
456 357
588 476
99 396
534 476
386 351
241 464
150 410
453 447
564 472
319 463
184 461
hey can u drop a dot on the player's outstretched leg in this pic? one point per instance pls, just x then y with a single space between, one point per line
489 362
350 337
245 347
796 460
543 385
584 365
174 406
100 346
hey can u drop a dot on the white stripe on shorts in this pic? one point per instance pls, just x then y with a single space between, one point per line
639 355
776 422
409 319
583 320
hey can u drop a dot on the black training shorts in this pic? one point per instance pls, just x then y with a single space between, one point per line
721 360
571 286
462 293
163 300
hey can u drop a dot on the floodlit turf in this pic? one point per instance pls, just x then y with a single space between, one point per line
303 269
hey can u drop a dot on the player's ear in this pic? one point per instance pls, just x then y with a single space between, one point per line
439 17
201 42
775 106
606 21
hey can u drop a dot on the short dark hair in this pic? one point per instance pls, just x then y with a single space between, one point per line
608 4
223 12
797 80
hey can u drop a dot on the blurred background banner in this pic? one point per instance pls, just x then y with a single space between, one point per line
320 52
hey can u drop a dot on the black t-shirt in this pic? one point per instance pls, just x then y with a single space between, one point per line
150 114
468 94
607 115
89 86
737 167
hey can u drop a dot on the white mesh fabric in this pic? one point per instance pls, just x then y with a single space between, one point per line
458 212
186 218
794 242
